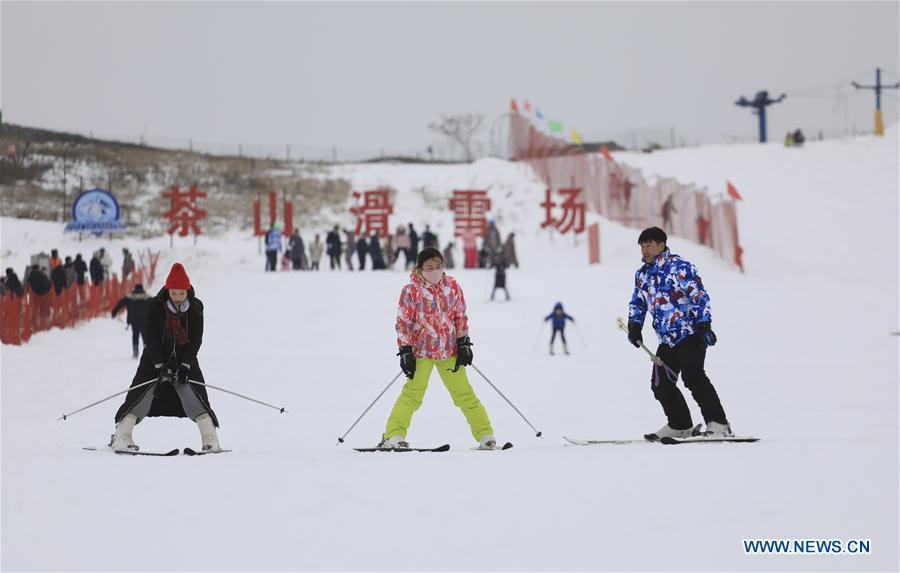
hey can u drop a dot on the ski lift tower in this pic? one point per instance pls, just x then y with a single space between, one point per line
759 104
879 123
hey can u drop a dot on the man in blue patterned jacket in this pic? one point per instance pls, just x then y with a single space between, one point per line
670 288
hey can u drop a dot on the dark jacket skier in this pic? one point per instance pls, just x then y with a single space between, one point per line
173 333
96 270
135 305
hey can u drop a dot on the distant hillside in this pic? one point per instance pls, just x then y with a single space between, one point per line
37 165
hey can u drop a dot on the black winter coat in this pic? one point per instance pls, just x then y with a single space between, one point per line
14 284
38 282
96 271
135 305
58 276
158 347
80 269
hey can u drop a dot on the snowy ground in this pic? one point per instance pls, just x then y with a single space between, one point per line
805 359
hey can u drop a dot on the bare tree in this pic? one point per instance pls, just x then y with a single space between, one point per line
460 128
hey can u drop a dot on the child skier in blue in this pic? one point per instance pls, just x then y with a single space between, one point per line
559 318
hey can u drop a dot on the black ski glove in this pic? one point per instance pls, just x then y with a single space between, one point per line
463 352
704 329
181 375
168 371
407 361
634 334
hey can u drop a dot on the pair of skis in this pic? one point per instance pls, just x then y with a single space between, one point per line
651 438
175 452
444 448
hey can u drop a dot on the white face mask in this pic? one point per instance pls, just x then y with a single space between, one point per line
433 276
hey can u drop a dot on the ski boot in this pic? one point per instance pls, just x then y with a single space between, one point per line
667 432
121 440
208 433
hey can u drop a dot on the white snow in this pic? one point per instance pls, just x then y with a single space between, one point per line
805 360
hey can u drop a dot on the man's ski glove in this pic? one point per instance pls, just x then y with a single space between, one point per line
704 329
407 361
181 376
634 334
463 352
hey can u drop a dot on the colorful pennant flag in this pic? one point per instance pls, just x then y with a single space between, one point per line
554 126
733 192
527 106
538 114
513 106
576 137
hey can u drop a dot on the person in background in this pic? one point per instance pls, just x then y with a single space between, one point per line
273 247
80 269
350 236
429 239
362 247
315 253
55 261
375 252
286 262
96 269
295 247
333 243
500 279
402 244
448 256
509 251
107 262
13 284
559 318
127 264
135 305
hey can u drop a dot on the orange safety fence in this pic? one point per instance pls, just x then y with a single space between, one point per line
22 316
622 194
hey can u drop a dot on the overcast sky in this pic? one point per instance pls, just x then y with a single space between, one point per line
374 75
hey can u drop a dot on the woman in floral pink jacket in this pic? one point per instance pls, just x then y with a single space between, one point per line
433 330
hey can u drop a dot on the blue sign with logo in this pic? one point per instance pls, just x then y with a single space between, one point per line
95 211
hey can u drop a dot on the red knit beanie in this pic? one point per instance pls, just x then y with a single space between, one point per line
178 278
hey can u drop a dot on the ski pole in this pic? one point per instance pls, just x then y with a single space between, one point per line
538 434
581 338
281 410
65 416
341 439
653 357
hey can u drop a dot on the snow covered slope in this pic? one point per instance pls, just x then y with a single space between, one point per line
805 359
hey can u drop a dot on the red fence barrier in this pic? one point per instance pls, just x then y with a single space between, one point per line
22 316
622 194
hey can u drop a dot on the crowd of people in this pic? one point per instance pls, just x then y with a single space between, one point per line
58 273
342 246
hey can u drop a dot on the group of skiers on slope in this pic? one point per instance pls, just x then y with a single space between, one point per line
433 331
383 252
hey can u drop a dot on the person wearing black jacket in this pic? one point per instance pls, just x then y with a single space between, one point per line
333 244
58 278
80 268
135 305
173 333
96 270
37 281
13 284
362 247
375 252
429 239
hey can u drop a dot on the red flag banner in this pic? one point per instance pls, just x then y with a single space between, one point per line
732 192
513 105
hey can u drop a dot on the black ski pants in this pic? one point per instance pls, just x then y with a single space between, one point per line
687 358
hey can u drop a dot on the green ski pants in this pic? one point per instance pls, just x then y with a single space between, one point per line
457 383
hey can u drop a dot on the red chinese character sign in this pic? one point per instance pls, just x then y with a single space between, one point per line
372 212
184 213
470 210
572 218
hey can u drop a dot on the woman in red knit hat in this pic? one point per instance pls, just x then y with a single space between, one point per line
173 333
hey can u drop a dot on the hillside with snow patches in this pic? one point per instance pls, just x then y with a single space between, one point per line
805 360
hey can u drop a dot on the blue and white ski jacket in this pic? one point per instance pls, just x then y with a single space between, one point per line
673 292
